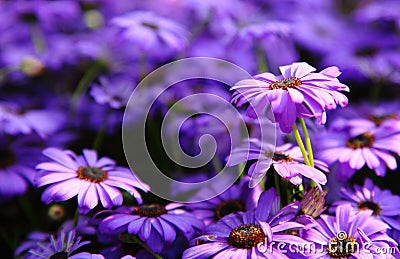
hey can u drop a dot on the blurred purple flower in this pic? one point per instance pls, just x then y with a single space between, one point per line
287 161
372 147
237 198
15 120
346 235
384 205
299 92
239 236
155 224
17 162
151 32
63 246
87 177
114 91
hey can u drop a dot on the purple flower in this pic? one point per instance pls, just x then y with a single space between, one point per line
298 92
151 32
87 177
155 224
114 91
63 246
237 198
17 162
241 235
348 235
384 205
15 120
287 161
372 147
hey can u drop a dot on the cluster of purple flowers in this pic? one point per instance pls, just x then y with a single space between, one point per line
325 75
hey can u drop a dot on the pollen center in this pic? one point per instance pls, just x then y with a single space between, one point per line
92 174
342 248
290 82
278 156
363 140
59 255
246 236
7 158
150 211
228 207
379 119
370 205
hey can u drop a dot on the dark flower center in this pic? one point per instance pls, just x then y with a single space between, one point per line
7 158
342 247
363 140
150 211
28 17
370 205
92 174
366 52
150 25
59 255
379 119
278 156
290 82
228 207
246 236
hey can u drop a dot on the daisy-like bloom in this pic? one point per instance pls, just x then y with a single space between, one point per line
349 235
154 224
63 247
241 235
87 177
372 147
150 32
15 120
298 92
17 162
287 160
384 205
237 198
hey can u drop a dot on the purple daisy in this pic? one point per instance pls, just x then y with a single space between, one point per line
241 235
298 92
372 147
349 235
87 177
237 198
155 224
383 203
17 162
15 120
151 32
287 160
63 246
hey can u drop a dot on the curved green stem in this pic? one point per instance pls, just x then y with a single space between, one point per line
261 60
84 83
300 143
101 133
143 245
308 141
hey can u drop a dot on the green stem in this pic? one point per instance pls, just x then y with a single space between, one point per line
39 43
261 60
84 83
277 184
308 141
101 133
139 242
300 143
76 217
